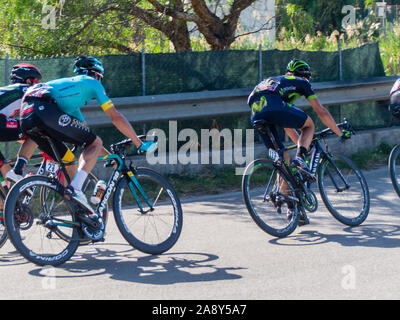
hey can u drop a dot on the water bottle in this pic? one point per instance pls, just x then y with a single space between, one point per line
98 191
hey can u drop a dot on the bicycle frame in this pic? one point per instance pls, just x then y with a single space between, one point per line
318 154
128 172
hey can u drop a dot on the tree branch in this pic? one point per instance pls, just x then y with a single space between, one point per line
94 17
22 47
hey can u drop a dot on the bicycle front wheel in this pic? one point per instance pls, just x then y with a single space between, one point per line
148 213
344 190
394 168
270 198
33 230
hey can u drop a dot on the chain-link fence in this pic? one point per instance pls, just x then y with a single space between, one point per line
151 74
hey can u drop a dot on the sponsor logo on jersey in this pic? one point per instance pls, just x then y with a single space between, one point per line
64 120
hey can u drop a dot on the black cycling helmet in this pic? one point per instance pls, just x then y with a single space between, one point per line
24 71
89 66
299 68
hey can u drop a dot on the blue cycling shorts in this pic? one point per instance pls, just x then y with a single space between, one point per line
276 112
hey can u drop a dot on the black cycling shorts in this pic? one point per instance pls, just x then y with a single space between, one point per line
277 113
10 130
41 117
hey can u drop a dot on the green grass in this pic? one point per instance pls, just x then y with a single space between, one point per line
210 181
371 159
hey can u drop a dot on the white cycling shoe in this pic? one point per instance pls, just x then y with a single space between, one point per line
13 177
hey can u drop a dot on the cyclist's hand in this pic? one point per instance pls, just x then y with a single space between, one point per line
345 136
148 146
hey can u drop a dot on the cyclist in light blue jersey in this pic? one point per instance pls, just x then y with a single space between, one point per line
54 108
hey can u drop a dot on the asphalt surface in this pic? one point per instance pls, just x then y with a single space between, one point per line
222 254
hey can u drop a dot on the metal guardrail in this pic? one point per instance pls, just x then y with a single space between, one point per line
228 102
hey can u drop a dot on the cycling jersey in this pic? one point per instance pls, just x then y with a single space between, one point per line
272 101
40 115
10 98
288 88
394 99
396 87
71 94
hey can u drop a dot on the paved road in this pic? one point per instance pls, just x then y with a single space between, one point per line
222 254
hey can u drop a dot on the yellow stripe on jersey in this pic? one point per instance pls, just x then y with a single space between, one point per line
107 105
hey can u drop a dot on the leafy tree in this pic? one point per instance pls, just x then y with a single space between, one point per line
31 28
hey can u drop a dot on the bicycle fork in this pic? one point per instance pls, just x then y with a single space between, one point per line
134 183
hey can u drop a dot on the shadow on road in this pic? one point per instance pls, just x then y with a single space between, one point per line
378 236
165 269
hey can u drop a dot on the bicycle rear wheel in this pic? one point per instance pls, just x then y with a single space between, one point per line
394 168
265 199
154 229
344 190
34 231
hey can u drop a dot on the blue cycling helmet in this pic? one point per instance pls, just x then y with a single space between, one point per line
89 66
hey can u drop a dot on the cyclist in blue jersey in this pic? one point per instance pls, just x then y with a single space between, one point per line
272 101
53 108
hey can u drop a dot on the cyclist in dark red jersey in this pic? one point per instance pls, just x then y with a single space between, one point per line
22 76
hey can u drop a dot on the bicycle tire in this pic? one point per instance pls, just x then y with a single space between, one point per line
393 158
169 209
353 177
87 188
255 198
37 226
3 231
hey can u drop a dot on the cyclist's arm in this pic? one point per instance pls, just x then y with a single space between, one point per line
325 116
123 125
117 119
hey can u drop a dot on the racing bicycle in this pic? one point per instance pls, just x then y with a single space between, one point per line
146 208
278 195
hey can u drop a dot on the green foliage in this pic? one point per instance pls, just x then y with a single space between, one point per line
297 20
371 159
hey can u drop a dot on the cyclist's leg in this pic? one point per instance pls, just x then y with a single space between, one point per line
25 152
268 114
63 127
295 118
306 136
9 131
